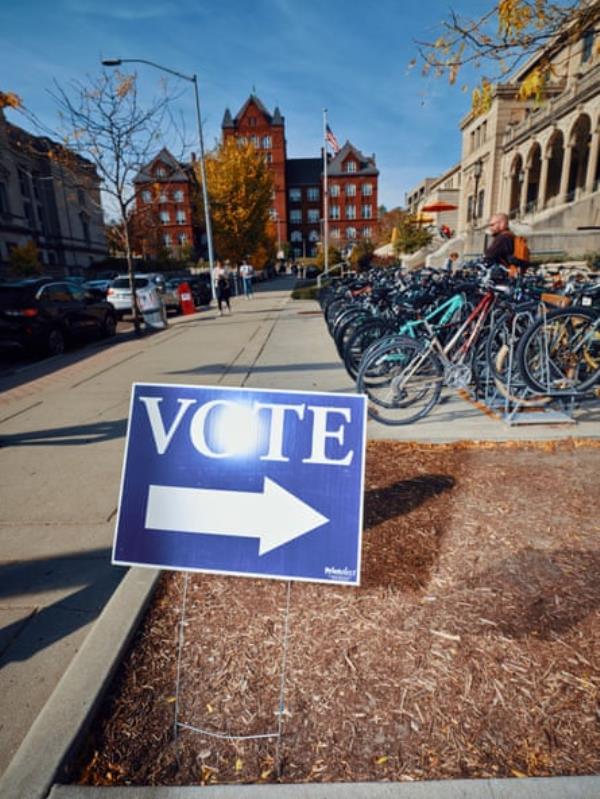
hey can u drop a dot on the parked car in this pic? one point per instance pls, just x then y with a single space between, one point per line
97 286
200 289
119 293
45 314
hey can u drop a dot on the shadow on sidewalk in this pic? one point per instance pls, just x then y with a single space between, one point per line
41 627
72 435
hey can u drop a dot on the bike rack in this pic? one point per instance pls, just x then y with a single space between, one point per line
516 411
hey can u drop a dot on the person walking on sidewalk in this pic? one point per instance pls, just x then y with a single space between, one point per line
247 273
222 287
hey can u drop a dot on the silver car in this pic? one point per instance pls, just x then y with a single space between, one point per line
119 293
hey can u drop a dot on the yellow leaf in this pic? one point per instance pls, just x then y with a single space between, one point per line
264 775
518 773
210 708
171 699
10 100
381 760
239 764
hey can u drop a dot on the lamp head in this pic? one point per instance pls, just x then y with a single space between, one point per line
111 62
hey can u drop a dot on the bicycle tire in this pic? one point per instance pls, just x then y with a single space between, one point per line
409 385
555 357
369 331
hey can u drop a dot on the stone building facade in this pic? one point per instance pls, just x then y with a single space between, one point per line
51 196
539 163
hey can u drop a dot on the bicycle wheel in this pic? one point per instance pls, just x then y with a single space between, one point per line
560 355
403 381
356 345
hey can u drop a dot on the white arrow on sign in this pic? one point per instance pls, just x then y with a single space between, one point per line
274 515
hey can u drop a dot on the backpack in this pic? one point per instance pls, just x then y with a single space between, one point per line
521 248
520 258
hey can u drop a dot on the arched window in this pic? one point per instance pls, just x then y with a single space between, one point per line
296 235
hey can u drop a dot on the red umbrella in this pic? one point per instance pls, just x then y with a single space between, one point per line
438 207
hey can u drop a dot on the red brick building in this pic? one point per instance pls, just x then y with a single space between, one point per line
164 207
254 124
298 198
165 190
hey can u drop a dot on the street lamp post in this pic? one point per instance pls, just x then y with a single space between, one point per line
115 62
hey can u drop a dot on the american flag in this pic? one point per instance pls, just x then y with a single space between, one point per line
330 139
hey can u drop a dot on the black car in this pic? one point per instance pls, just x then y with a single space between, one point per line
44 314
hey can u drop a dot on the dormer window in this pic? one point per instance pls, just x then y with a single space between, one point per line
160 172
350 166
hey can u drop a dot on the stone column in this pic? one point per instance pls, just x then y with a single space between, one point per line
523 197
592 161
543 182
566 168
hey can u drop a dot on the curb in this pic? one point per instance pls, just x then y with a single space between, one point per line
529 788
67 714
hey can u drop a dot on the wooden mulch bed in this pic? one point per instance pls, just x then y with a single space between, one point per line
471 649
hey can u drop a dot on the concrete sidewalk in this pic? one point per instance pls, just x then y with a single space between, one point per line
62 436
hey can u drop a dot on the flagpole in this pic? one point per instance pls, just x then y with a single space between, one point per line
325 197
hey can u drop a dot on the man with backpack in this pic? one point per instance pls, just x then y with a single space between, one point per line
505 247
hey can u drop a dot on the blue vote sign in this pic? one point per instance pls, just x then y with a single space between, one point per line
243 481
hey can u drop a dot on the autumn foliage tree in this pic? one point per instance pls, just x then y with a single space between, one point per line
501 39
240 189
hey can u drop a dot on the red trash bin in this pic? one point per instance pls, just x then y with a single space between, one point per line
186 301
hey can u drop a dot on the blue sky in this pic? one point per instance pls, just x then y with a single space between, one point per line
303 55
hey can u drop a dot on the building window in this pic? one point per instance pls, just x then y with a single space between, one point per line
160 172
254 141
243 140
335 233
313 236
587 46
334 212
273 213
165 217
469 208
252 122
367 190
296 216
296 235
167 240
367 233
269 158
313 194
85 227
313 214
351 233
24 184
181 217
178 196
350 190
295 195
366 211
480 199
334 190
297 252
147 196
350 212
350 166
4 209
182 239
163 197
267 142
